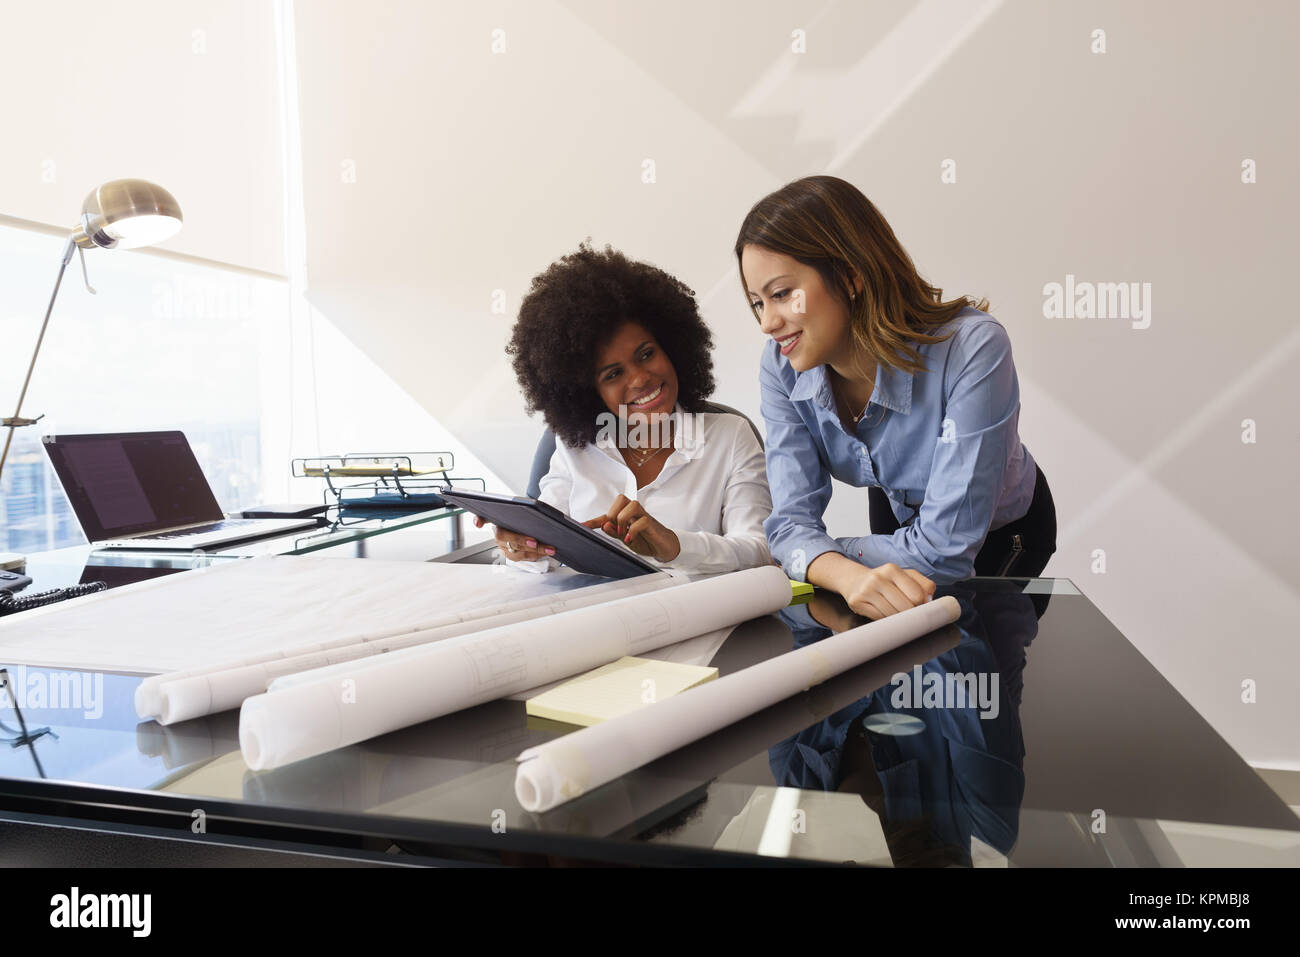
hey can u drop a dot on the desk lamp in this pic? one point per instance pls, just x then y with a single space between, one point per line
121 214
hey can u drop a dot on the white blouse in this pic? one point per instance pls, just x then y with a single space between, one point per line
712 491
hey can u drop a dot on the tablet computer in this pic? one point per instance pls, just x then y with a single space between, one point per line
581 548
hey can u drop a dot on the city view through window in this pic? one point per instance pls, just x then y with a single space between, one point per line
164 344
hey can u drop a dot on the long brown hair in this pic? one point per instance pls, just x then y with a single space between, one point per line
826 223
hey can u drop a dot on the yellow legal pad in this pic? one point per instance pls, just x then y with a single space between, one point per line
616 688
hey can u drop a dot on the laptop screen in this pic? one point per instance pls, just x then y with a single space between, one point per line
131 483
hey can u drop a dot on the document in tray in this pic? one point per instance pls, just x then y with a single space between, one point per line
616 688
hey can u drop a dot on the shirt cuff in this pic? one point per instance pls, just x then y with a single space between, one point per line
876 550
801 550
693 548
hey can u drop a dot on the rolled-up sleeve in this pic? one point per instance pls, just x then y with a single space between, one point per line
798 474
968 466
746 503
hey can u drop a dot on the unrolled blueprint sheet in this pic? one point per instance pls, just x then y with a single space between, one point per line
245 609
314 712
181 695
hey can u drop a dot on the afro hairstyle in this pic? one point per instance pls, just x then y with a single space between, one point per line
574 307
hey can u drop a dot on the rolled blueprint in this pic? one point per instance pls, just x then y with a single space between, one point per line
641 795
385 693
181 696
567 767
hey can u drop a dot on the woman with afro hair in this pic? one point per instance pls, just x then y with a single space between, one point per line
615 356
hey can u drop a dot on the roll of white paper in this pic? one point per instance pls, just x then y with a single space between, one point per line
567 767
181 696
311 717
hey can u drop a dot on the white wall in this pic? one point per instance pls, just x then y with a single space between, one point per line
180 92
473 171
342 403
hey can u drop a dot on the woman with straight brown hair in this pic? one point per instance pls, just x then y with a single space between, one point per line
873 378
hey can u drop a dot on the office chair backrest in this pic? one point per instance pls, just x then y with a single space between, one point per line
546 447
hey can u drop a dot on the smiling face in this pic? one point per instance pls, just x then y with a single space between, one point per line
633 374
794 307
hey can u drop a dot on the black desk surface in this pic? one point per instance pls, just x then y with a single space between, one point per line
1079 753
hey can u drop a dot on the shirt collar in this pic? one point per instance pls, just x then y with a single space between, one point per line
893 388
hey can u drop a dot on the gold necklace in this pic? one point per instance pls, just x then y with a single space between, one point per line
855 418
642 460
858 418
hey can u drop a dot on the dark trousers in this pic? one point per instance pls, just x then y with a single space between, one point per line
1019 549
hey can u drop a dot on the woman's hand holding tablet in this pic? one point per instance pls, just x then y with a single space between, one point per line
625 519
516 547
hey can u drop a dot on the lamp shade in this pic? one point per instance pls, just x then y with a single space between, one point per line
126 213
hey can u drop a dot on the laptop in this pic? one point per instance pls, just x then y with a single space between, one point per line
145 490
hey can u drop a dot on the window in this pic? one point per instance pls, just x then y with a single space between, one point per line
166 344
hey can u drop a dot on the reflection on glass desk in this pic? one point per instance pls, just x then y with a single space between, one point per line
1029 733
345 527
377 533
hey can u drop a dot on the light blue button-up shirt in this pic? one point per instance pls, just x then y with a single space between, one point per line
946 440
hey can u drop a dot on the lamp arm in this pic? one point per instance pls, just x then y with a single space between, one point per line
13 423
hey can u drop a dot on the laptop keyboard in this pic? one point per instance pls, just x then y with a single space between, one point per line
204 529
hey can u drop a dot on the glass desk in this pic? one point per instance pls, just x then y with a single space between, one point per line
1073 750
354 527
377 533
